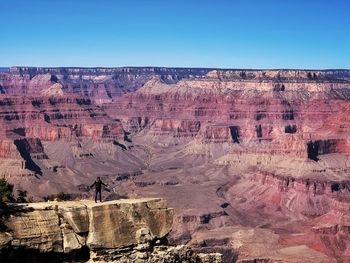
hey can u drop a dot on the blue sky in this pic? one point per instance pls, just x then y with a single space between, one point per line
312 34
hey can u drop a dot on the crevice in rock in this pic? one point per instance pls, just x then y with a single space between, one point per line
126 138
260 115
37 103
20 131
316 148
12 116
122 146
288 115
234 130
54 78
83 101
21 255
52 101
335 187
59 216
6 102
279 87
81 255
258 130
2 90
23 149
312 151
290 129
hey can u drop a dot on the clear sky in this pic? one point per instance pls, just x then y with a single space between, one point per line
312 34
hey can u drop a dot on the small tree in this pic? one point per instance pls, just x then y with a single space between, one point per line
22 196
6 191
61 196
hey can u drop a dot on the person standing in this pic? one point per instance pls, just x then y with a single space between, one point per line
98 188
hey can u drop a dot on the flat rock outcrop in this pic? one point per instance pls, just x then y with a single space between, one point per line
83 230
113 224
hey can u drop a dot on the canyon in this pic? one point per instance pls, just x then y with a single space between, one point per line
255 163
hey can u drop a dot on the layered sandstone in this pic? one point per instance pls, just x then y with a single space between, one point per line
126 229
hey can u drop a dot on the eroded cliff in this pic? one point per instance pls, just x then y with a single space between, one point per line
240 154
115 231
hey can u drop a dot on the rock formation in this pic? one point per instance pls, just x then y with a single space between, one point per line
115 231
240 154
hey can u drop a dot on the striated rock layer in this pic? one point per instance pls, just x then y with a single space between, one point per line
255 162
118 231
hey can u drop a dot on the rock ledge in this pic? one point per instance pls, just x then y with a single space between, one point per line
130 230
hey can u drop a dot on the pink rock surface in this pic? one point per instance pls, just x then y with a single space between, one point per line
240 155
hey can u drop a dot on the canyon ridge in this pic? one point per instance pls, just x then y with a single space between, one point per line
255 163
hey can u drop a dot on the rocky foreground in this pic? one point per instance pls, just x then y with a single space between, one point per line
115 231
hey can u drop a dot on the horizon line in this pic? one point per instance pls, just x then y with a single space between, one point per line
175 67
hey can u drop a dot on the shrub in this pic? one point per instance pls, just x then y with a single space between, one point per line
21 196
61 196
6 191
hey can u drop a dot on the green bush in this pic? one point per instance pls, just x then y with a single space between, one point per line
6 191
61 196
21 196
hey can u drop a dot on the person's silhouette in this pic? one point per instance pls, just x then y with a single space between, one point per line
98 188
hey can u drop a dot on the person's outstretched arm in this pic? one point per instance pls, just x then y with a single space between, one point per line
92 185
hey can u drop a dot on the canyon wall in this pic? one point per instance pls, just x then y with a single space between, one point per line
240 154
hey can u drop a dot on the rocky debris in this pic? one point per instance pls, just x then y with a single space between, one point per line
114 231
159 253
